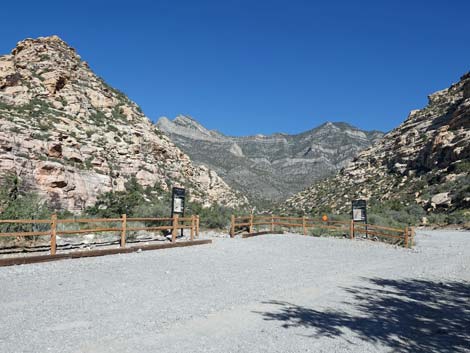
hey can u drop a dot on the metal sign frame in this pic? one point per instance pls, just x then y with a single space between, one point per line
178 197
359 211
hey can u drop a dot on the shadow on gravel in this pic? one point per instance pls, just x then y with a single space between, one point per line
405 315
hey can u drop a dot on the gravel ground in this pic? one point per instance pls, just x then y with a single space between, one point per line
272 293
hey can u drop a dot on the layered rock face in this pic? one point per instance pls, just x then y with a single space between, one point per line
424 161
270 167
71 137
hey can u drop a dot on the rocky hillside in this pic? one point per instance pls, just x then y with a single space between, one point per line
270 167
422 166
70 137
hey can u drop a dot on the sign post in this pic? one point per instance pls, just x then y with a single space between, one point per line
359 212
178 196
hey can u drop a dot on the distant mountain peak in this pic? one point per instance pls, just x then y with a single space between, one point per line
269 166
187 126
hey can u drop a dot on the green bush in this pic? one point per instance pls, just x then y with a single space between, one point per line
115 203
17 203
216 216
462 167
138 201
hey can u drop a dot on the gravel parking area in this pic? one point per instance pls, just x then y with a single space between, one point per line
272 293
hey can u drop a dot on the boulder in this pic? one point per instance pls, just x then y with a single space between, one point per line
441 199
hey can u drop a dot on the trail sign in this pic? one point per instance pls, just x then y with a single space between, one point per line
178 196
359 211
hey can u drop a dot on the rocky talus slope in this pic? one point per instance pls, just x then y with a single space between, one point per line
71 137
270 167
424 162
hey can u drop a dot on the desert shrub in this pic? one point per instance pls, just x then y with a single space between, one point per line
99 117
18 203
26 206
215 216
152 208
394 213
5 106
115 203
138 201
118 114
462 167
437 218
319 211
461 192
458 217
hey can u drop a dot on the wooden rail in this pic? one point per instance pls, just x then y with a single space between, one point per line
350 228
174 224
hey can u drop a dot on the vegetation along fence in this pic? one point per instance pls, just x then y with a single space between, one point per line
123 226
247 224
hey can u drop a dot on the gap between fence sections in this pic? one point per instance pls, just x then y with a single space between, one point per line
241 224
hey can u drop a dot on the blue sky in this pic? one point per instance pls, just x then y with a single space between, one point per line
247 67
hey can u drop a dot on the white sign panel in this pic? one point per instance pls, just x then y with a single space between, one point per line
358 214
178 205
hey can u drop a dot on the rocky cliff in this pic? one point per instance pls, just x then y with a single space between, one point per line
71 137
424 162
270 167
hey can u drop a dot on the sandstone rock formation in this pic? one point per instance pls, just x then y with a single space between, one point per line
425 161
270 167
70 136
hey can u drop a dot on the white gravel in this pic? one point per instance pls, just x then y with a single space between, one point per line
272 293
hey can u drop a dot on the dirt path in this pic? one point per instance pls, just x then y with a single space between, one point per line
271 293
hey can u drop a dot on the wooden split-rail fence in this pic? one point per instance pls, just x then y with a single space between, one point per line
247 224
125 226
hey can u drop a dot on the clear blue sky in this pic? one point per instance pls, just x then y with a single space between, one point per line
246 67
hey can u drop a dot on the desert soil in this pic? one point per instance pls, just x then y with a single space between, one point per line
272 293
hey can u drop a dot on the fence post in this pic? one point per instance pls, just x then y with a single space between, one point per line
272 223
123 231
406 237
175 228
351 229
251 224
304 225
53 234
232 226
193 224
197 226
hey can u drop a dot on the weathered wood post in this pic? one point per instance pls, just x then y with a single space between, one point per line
232 226
174 228
53 234
351 229
406 237
251 224
304 224
272 223
197 226
193 226
123 230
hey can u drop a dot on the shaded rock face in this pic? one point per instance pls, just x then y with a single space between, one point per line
424 161
71 137
270 167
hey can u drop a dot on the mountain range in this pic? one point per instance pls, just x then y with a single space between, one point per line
271 167
69 137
